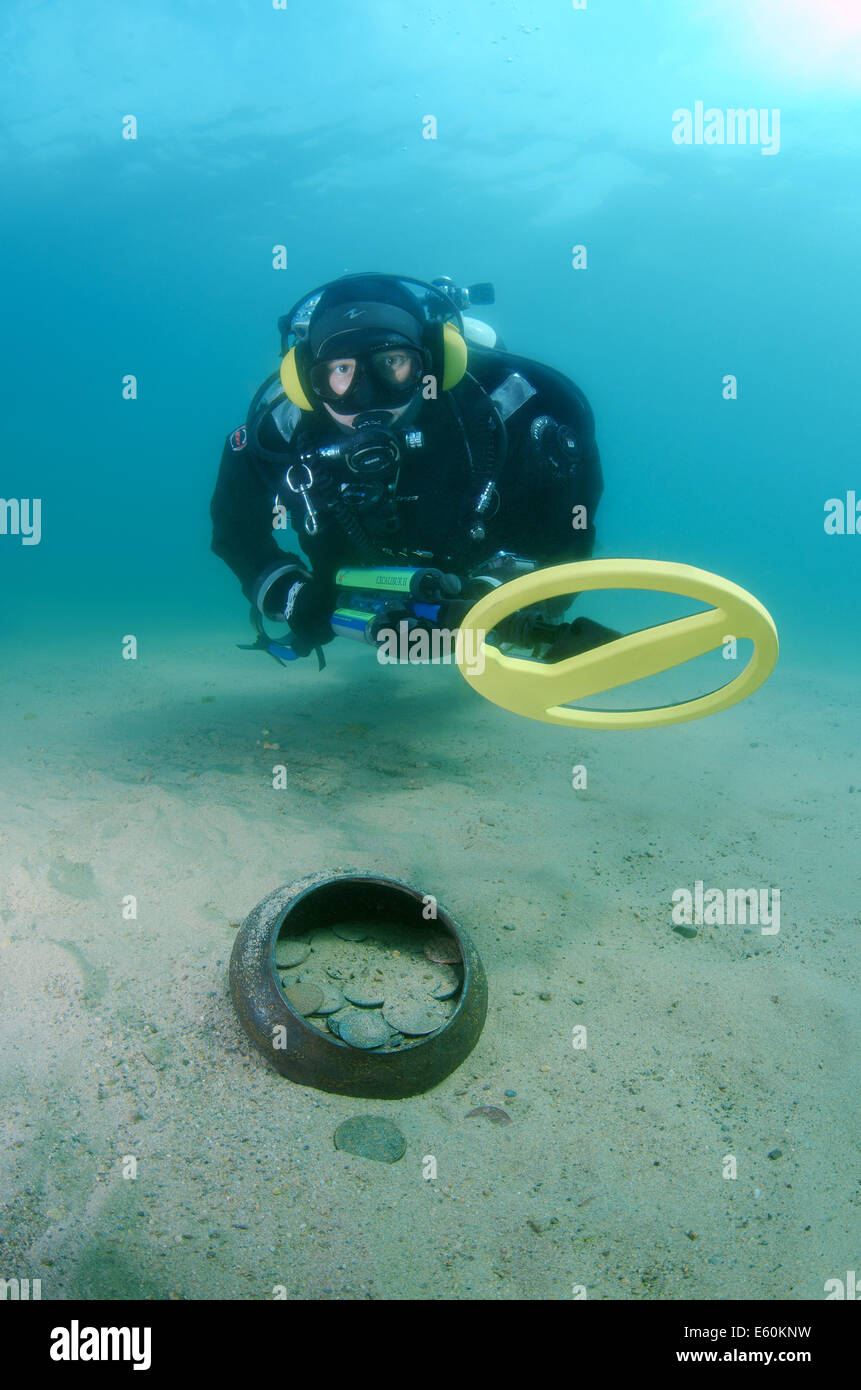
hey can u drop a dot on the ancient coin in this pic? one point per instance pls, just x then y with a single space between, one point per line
363 1028
371 1136
494 1113
365 992
446 982
415 1017
351 932
306 999
442 949
290 951
333 999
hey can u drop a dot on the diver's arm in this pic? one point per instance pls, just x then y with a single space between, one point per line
549 497
538 500
242 515
572 488
567 505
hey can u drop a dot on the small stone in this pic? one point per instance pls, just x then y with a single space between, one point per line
508 926
290 951
545 995
510 1094
346 932
332 1025
364 1028
305 999
686 930
540 1224
518 990
371 1136
776 1153
365 992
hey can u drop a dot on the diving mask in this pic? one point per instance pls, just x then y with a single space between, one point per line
383 377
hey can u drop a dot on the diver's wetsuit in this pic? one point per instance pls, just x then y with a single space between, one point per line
437 488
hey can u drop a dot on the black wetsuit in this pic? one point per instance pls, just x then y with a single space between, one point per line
437 488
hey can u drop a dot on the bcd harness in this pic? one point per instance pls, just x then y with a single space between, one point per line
358 474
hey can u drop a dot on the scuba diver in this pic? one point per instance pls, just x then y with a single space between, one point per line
399 433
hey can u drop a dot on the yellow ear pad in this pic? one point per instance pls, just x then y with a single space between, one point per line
454 356
291 383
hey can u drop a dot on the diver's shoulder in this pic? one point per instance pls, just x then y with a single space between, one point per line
491 366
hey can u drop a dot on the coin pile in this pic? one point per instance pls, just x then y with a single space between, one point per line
377 987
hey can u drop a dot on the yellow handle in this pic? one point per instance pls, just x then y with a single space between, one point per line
539 690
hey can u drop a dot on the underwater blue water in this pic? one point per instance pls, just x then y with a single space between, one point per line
302 126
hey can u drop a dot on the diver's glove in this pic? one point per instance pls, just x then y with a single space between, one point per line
287 593
308 606
269 591
580 636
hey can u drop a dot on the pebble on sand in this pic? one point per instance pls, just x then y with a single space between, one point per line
540 1224
371 1136
686 930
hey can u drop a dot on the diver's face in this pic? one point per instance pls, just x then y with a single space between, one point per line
389 365
340 373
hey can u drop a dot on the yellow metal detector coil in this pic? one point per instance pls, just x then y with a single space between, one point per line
540 691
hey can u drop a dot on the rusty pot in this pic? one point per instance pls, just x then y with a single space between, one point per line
299 1050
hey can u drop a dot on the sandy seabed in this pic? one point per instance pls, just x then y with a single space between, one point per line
118 1038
